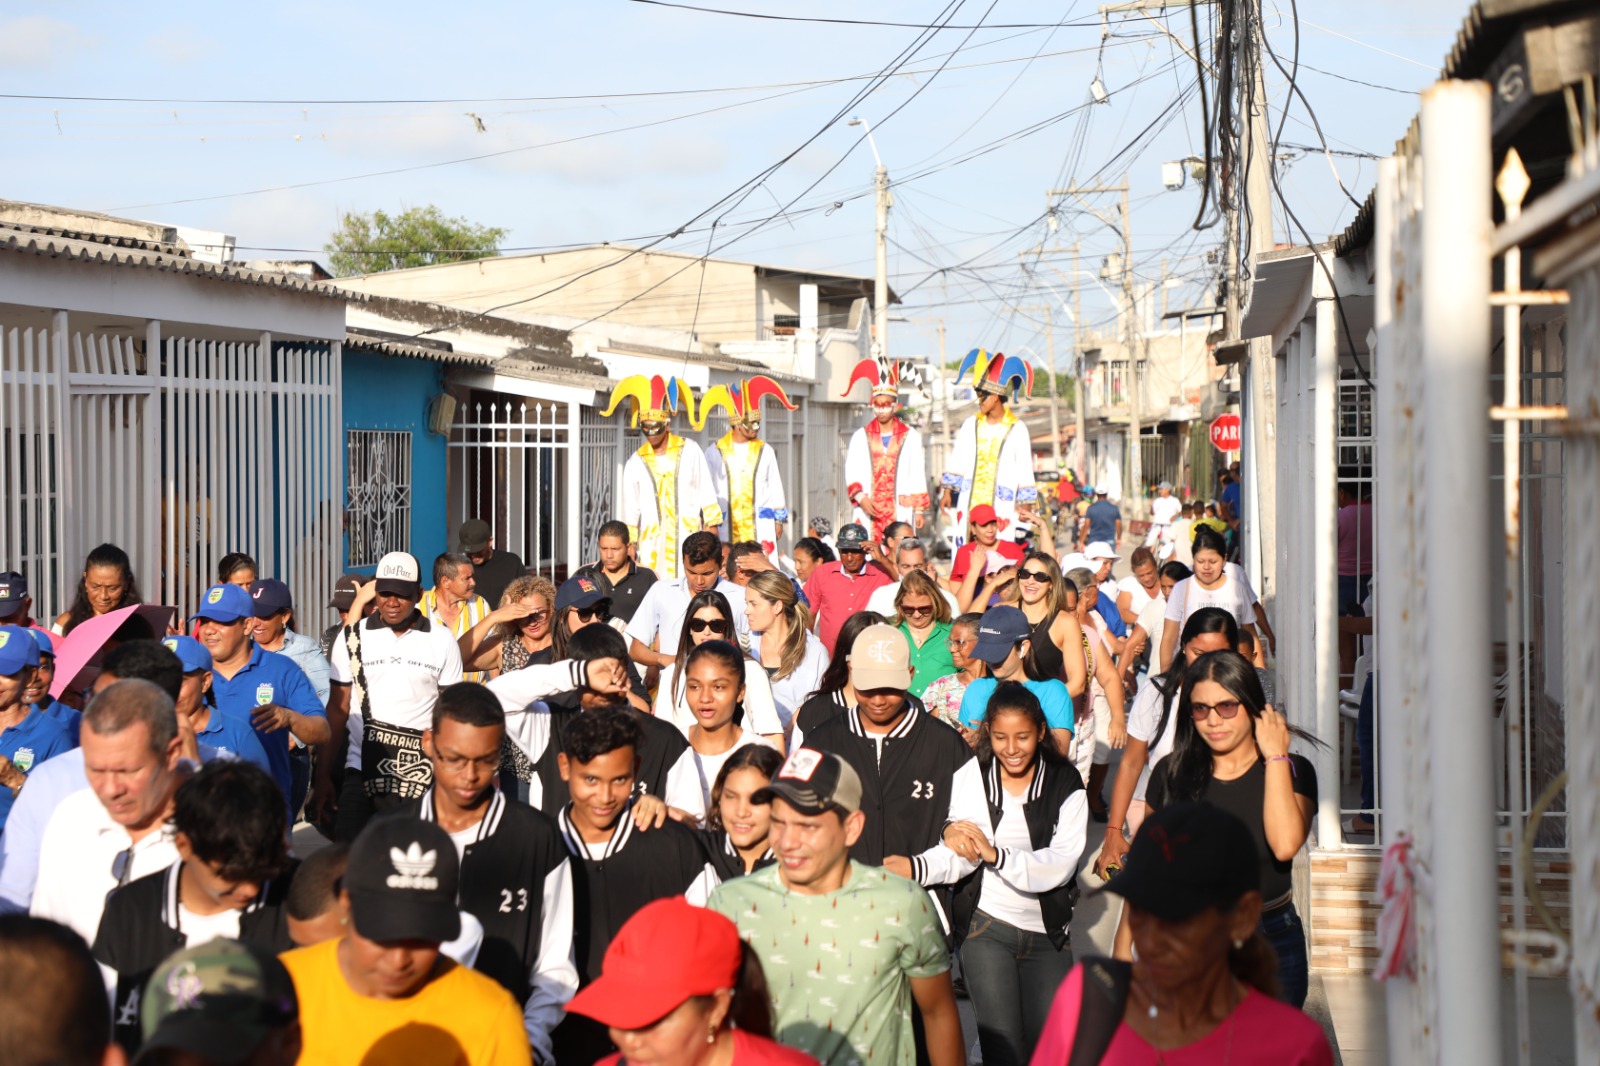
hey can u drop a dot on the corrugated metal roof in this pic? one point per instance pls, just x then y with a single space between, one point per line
128 252
393 344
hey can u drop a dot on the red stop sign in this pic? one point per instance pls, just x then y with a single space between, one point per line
1225 433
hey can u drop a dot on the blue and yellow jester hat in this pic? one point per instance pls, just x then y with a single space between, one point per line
655 399
997 373
742 400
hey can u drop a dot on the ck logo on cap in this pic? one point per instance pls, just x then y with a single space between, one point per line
881 651
412 868
803 762
215 595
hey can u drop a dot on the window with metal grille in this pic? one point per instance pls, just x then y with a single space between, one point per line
377 494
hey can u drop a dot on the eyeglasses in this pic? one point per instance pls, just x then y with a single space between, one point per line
598 612
925 609
1033 575
716 625
1224 709
957 643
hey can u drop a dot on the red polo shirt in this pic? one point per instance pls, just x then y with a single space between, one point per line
835 596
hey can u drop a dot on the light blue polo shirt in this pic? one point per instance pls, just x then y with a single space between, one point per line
1053 699
269 677
30 742
235 739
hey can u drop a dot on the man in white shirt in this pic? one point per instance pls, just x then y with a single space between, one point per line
909 554
387 671
116 830
659 618
1164 509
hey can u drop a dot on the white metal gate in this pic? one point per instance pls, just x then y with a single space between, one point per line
212 447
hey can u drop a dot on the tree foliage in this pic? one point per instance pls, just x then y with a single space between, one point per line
367 243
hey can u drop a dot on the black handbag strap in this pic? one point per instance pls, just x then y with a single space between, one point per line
1105 996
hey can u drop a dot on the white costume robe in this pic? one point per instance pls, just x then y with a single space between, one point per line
910 487
1013 475
749 490
684 493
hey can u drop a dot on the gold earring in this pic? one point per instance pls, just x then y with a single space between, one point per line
711 1035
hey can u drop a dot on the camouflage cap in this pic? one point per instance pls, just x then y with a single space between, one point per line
217 1000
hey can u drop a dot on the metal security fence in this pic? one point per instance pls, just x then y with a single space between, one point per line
377 493
513 459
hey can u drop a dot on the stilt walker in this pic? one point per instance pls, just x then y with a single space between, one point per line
744 468
992 459
885 469
666 485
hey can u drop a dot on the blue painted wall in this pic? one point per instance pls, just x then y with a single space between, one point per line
385 393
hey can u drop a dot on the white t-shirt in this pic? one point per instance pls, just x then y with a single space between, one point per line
1137 596
709 766
760 713
78 859
1163 509
204 928
660 614
1152 619
1142 722
1234 595
404 674
997 898
462 837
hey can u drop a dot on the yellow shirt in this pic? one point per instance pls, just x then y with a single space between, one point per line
461 1018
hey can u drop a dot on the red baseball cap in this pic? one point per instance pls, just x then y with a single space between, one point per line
982 515
668 952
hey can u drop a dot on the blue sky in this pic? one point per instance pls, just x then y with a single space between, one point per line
566 155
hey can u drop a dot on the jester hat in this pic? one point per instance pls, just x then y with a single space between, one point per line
996 373
655 399
742 400
882 374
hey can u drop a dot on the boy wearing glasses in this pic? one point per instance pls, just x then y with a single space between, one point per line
515 878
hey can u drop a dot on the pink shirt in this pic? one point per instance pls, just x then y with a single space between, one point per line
1355 539
1260 1032
834 596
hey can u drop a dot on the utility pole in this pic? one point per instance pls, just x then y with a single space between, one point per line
1077 350
1135 473
880 288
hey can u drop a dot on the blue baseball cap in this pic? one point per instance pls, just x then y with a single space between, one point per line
999 630
17 650
225 603
44 642
190 652
271 596
13 590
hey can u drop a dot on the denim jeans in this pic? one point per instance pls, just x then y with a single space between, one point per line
1287 936
299 780
1367 745
1012 975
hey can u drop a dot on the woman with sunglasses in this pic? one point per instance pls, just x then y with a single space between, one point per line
834 693
1054 628
924 617
1015 912
782 641
708 618
943 696
1152 727
515 634
1232 750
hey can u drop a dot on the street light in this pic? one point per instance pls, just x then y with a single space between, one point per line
880 290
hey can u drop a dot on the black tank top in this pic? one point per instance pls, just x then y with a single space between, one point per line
1045 653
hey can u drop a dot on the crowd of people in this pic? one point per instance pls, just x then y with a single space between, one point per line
698 803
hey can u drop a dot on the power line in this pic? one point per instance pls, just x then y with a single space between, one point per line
863 22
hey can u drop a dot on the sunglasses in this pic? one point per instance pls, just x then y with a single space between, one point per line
1033 575
716 625
535 617
1224 709
590 614
917 611
650 429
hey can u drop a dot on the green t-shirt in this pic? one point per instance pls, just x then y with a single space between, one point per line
840 966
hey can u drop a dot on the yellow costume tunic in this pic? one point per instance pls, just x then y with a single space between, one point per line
990 437
741 461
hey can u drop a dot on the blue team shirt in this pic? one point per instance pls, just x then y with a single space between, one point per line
1053 698
1106 608
269 677
62 713
235 738
30 742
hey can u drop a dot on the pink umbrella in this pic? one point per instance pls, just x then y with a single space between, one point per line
78 654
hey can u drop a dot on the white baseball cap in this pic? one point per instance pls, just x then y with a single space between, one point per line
1075 561
1099 551
880 658
398 572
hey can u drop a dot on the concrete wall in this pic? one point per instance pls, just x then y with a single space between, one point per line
386 393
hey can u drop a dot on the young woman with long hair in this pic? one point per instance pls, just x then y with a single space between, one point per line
784 646
107 583
736 826
1232 750
713 683
1152 726
924 617
1214 583
709 617
515 634
1015 912
834 694
1055 629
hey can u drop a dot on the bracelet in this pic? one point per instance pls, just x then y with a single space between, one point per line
1284 758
